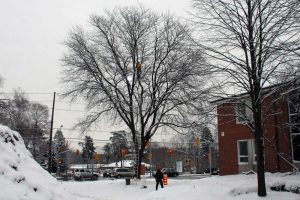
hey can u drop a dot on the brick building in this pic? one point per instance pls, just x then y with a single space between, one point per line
281 134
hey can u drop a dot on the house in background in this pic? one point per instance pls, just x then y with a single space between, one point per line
281 120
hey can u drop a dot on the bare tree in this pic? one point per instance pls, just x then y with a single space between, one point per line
29 119
17 116
250 43
138 67
38 115
3 103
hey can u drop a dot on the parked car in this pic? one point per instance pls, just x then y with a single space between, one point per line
80 174
107 173
122 172
214 171
171 172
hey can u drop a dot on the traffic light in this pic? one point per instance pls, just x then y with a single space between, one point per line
96 156
138 66
170 152
148 144
123 151
77 152
197 141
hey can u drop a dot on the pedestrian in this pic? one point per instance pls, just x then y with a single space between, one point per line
158 178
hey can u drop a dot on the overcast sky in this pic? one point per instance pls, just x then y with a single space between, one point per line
31 37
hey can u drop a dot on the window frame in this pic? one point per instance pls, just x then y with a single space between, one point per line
239 153
293 112
292 147
238 107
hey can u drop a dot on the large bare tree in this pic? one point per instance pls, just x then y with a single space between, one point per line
138 67
250 43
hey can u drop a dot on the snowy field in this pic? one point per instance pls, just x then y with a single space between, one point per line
242 187
21 178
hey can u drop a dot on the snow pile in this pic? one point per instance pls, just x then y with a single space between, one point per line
21 178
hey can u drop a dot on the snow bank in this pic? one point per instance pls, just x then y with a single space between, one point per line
21 178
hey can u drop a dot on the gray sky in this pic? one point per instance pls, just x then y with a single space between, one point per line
31 36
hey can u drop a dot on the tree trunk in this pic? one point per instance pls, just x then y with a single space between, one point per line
140 157
261 188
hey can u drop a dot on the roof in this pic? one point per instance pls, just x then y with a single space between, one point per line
245 94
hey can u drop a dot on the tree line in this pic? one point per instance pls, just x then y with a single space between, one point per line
30 119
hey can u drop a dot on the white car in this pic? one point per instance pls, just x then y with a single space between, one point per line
122 172
80 174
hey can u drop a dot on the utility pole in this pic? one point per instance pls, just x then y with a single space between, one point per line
150 146
50 138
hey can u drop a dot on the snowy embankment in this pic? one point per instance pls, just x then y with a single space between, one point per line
21 178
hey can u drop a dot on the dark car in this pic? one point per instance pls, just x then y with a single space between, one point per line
214 171
171 172
107 173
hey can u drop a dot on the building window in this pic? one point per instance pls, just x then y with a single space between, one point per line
240 111
246 152
296 146
294 122
243 154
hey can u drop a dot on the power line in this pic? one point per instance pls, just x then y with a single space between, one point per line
42 93
74 138
70 110
76 129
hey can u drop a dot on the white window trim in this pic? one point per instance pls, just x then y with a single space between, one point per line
238 151
254 152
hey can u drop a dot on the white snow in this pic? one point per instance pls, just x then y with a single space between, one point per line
21 178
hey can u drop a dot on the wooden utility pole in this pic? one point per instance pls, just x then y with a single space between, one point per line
50 138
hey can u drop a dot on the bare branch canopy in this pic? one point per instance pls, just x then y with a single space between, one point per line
139 67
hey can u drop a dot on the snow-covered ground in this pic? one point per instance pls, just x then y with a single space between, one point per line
21 178
241 187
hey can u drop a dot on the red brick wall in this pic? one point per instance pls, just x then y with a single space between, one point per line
273 162
228 156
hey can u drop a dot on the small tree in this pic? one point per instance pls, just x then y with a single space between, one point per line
88 149
38 115
60 147
107 152
119 141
